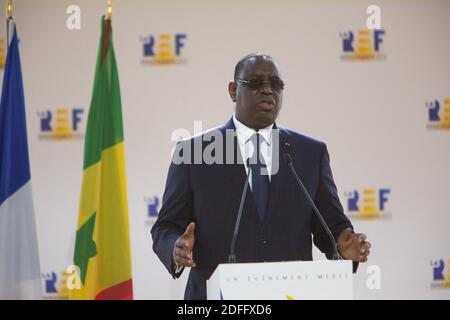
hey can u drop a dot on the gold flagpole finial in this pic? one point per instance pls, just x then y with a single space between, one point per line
9 9
109 10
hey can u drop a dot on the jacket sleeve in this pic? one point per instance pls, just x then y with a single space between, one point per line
175 214
327 201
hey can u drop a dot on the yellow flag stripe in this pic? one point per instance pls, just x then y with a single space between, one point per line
104 193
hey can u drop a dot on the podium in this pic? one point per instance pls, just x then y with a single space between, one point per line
294 280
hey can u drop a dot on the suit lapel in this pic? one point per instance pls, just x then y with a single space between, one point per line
236 175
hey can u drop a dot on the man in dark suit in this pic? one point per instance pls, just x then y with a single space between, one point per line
206 179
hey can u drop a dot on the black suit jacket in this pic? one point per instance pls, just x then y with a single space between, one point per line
209 195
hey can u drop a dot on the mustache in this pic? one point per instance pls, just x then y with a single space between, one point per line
267 100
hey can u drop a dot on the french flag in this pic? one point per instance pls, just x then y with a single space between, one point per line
20 276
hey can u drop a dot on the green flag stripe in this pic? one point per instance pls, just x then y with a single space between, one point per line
104 126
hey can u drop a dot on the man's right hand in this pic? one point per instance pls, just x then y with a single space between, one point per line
182 252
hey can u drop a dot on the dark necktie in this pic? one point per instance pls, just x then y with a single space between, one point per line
260 179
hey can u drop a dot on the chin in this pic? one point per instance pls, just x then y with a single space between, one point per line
265 122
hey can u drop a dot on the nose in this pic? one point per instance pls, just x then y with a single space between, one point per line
266 88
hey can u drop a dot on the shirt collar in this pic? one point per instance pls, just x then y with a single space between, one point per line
244 133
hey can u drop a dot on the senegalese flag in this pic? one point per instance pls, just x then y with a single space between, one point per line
102 246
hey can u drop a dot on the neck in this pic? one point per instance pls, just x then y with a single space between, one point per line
249 124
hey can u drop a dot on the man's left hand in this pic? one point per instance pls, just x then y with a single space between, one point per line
353 246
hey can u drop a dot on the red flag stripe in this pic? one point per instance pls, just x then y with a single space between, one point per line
121 291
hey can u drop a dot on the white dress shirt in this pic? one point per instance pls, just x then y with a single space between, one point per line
246 147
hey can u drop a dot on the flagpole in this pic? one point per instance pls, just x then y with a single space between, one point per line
9 9
109 10
9 20
107 29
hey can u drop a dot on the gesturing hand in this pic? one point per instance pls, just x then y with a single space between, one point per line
182 252
353 246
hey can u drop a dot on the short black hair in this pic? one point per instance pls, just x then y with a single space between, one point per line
240 64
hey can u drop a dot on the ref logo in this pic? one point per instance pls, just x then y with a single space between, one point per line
363 44
152 206
164 49
2 53
61 124
368 204
441 274
54 286
438 114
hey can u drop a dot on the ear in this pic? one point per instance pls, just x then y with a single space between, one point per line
232 90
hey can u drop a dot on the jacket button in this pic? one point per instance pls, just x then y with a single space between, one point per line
263 241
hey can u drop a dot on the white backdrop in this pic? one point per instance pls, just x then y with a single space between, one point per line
373 114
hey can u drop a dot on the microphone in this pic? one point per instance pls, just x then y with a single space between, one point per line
232 255
336 255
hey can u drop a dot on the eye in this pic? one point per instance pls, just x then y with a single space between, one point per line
277 84
255 83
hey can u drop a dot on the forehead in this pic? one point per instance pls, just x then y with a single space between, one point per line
260 66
